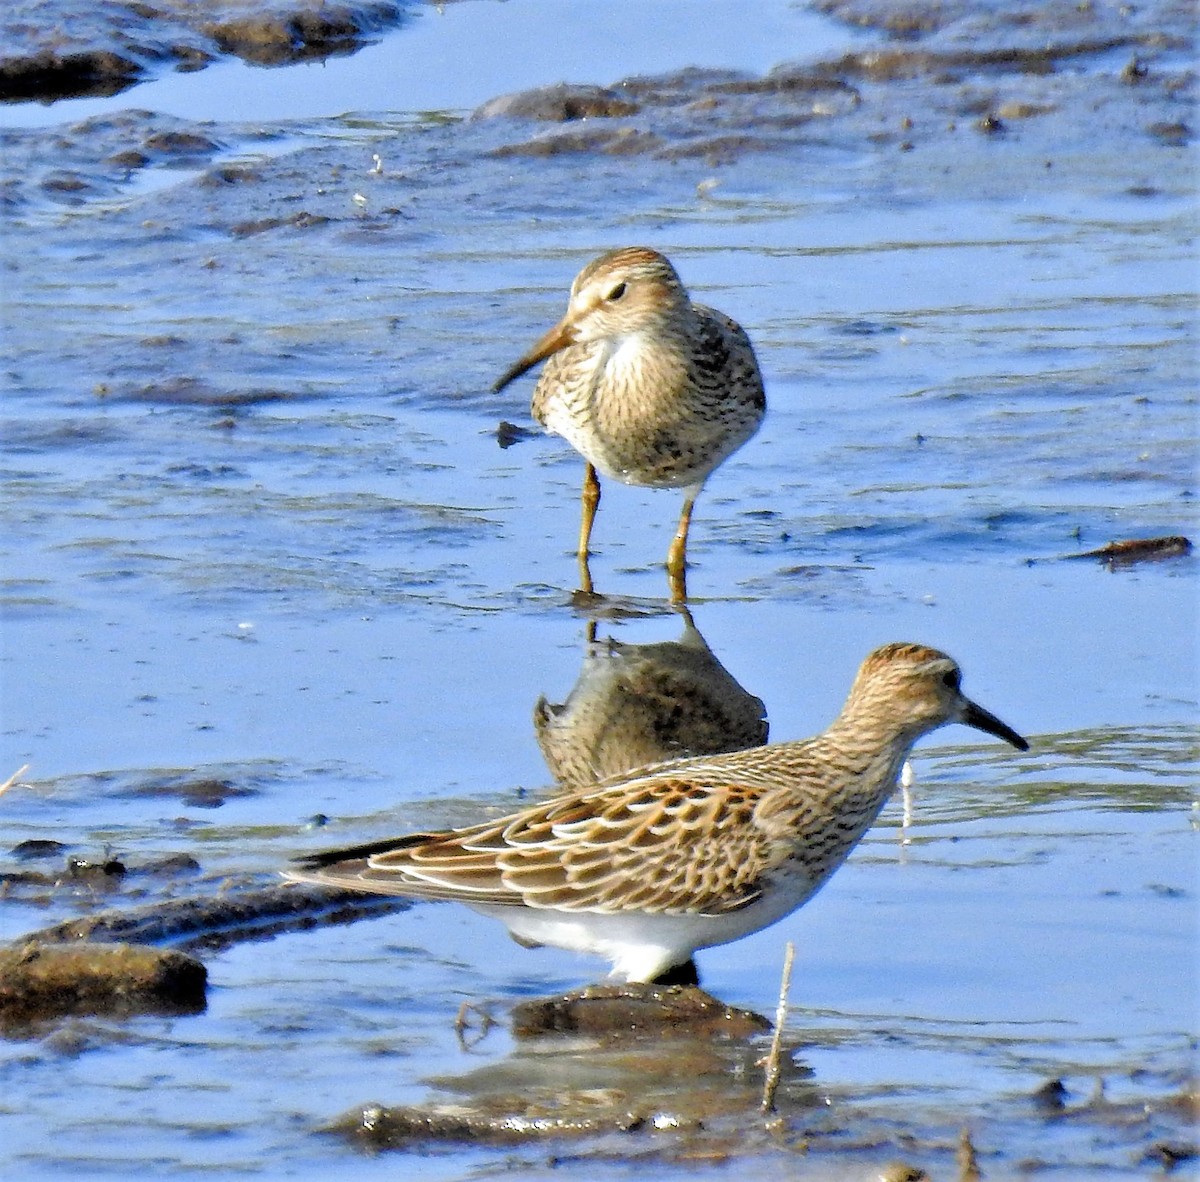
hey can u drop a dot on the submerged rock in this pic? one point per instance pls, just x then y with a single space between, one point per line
221 920
378 1126
37 848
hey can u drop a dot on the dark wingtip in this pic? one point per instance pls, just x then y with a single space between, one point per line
326 858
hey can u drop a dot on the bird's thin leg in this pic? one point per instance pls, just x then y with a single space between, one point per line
679 974
590 499
677 554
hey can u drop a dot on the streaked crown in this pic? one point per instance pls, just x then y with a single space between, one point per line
625 291
912 685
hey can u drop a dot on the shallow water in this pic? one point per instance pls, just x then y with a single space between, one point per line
446 59
257 530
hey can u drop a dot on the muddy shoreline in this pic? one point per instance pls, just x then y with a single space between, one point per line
119 45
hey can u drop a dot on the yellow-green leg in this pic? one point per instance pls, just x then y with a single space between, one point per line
677 554
590 499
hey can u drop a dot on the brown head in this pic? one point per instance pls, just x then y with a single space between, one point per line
914 689
622 292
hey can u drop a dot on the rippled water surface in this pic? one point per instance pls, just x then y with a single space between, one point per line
264 561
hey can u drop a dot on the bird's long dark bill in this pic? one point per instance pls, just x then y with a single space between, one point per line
983 720
559 337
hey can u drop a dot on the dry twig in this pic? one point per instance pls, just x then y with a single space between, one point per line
13 778
775 1054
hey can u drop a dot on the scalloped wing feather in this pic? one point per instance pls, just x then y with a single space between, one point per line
663 845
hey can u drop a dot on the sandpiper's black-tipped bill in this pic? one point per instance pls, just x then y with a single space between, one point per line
984 720
559 337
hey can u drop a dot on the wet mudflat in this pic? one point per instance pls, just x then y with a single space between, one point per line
271 584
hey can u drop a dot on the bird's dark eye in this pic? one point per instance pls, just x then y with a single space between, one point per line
952 679
616 293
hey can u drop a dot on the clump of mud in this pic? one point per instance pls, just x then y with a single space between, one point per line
110 47
635 1011
40 981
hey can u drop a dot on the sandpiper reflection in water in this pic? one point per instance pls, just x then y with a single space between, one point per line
638 704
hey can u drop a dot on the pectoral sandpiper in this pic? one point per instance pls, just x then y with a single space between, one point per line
649 866
649 387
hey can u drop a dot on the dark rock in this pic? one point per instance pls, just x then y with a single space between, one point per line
29 851
170 865
509 433
101 49
28 878
39 981
635 1011
129 158
65 182
49 75
190 58
1135 70
1051 1096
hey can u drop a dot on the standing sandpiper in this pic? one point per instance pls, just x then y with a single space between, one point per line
648 866
647 386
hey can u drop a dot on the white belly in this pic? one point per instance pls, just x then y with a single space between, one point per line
641 946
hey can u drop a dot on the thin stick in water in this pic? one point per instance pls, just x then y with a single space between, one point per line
774 1056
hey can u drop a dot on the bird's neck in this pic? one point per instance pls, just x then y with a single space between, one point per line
870 755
